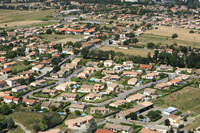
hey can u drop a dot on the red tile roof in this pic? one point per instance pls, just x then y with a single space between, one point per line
104 131
9 97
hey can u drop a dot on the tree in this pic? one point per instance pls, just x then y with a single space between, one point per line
3 122
191 31
85 52
141 116
181 126
185 118
154 79
153 114
51 120
49 31
36 128
48 74
150 45
167 122
31 79
174 36
77 112
22 81
53 108
56 69
55 61
133 116
171 130
93 127
10 123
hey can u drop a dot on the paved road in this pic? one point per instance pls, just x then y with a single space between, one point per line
22 127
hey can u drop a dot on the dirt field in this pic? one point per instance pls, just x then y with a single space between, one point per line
17 15
184 37
185 100
134 51
20 23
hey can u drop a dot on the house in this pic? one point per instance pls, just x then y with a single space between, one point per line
16 100
108 63
93 96
55 130
3 59
184 77
125 113
26 73
20 88
132 81
8 99
38 83
174 120
114 78
69 96
146 105
78 121
49 92
79 107
3 94
165 68
128 63
83 75
93 64
47 105
9 64
64 86
3 84
118 67
97 88
118 128
6 70
89 32
150 76
86 88
13 81
108 72
103 110
146 130
162 85
136 97
118 103
130 74
113 87
170 110
104 131
76 61
29 102
146 67
37 67
176 81
89 70
149 91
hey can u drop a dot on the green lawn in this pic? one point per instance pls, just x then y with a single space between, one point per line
20 66
184 100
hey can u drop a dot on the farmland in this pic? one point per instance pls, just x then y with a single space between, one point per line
185 100
13 17
135 51
164 33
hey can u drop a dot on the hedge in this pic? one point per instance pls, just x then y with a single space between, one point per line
157 118
101 126
110 114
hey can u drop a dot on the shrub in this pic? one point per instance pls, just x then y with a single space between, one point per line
175 35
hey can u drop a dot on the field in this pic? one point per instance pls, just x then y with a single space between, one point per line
20 66
61 38
26 118
186 100
10 16
165 33
18 129
135 51
19 23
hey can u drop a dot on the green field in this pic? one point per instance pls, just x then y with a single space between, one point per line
185 100
61 38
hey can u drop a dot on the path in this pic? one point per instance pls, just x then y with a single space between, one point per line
22 127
